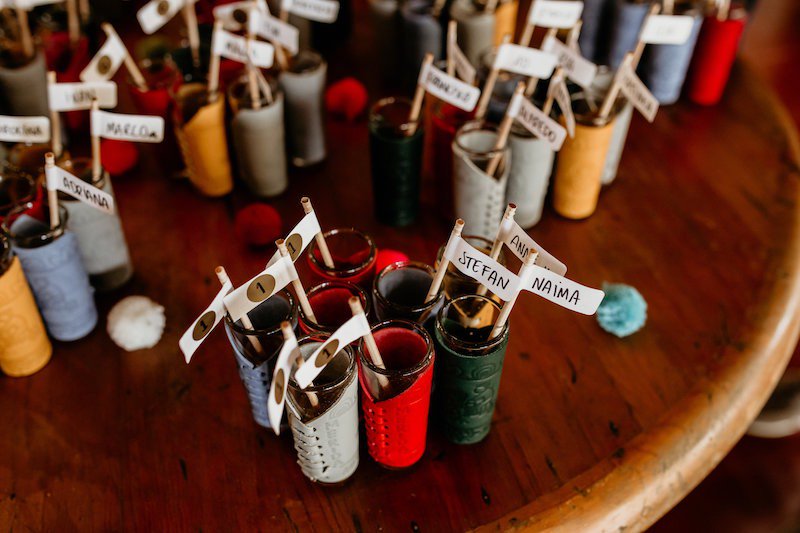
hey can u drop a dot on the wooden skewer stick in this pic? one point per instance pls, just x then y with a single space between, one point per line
574 34
443 263
84 10
551 91
322 244
436 8
369 340
488 87
223 278
534 81
497 245
73 22
213 66
265 88
55 121
25 32
190 18
640 44
669 7
299 291
723 11
502 134
130 63
527 33
505 312
288 335
97 166
613 91
252 82
451 44
52 194
491 6
419 95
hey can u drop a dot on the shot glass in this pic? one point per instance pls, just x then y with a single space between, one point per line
52 265
622 124
476 28
479 197
421 33
257 363
24 346
29 158
354 256
329 301
324 417
101 240
531 166
395 161
200 130
396 414
399 292
629 15
17 188
455 283
469 367
258 139
304 86
23 84
162 77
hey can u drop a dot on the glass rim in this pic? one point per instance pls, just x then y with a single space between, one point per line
396 266
475 126
241 84
329 284
9 172
347 374
386 101
316 57
277 329
346 272
403 372
470 344
35 241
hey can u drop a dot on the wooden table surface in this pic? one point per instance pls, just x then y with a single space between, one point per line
590 431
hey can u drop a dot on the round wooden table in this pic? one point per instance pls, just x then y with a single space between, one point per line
591 432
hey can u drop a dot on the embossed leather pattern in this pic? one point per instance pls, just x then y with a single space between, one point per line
479 198
327 446
466 391
60 285
256 381
24 346
531 166
396 428
259 145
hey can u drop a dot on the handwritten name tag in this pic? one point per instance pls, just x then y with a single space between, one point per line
155 13
299 238
59 179
235 47
537 122
558 88
24 129
247 297
564 292
76 96
579 70
667 29
277 31
638 94
193 337
106 61
290 351
526 61
449 89
479 266
555 14
521 244
350 331
137 128
464 68
318 10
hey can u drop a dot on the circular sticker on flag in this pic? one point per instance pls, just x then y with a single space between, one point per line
163 7
295 245
204 325
104 65
327 353
239 15
261 288
280 385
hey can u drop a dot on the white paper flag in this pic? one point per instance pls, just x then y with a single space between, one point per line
450 89
24 129
580 70
537 122
318 10
464 68
204 325
106 61
558 87
60 180
555 13
526 61
350 331
155 13
236 15
564 292
522 244
247 297
234 47
27 5
479 266
276 31
77 96
137 128
638 94
299 238
667 29
280 381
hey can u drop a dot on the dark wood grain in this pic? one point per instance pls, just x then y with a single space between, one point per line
590 431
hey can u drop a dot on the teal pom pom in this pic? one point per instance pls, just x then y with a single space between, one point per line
623 311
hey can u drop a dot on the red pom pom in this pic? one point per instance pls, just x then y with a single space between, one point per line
388 256
347 97
118 156
258 224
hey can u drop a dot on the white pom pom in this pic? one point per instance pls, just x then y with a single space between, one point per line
135 323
